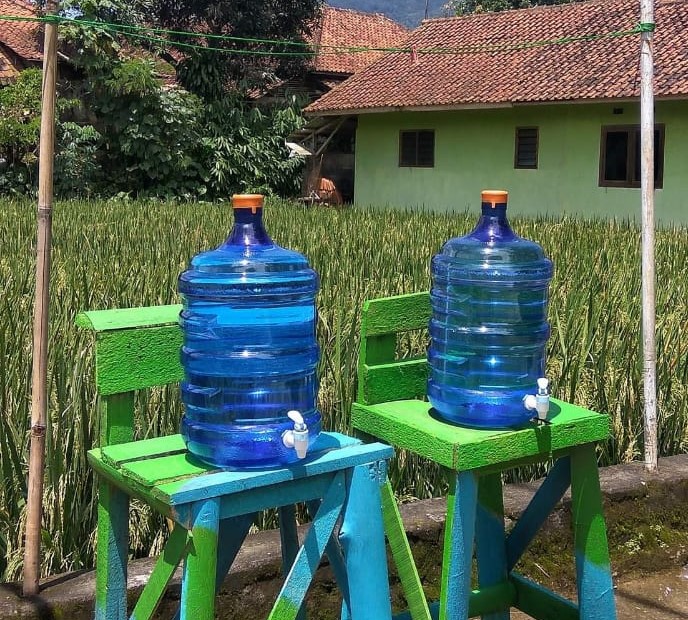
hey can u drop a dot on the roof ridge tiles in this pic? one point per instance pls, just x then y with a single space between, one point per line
503 58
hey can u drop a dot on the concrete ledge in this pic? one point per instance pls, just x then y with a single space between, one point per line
647 518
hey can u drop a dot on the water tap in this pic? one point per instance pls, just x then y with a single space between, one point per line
539 402
298 437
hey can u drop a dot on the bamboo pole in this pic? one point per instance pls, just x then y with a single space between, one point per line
647 186
39 402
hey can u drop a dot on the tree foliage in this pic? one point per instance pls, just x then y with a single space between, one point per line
138 134
269 20
465 7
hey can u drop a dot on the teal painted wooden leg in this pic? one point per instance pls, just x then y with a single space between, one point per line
200 567
363 539
334 554
112 553
231 535
595 588
489 537
459 532
308 558
289 538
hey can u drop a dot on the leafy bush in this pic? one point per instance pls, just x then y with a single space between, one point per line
20 124
152 134
245 151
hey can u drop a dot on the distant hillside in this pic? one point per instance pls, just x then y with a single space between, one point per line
407 12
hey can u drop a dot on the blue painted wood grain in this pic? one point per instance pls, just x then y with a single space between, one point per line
228 482
289 539
308 558
454 601
489 537
335 555
545 499
363 540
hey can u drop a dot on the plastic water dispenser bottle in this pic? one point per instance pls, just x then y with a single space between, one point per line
489 326
250 351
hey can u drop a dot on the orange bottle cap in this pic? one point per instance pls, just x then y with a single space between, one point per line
247 201
494 197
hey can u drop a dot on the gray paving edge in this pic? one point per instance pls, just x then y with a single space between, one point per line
255 576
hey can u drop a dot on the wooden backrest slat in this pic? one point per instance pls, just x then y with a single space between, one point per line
381 377
136 348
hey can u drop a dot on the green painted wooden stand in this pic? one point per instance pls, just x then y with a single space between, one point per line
390 406
212 510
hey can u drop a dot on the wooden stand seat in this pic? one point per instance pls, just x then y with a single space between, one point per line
212 509
390 406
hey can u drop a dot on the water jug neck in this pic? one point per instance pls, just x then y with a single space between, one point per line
248 228
493 224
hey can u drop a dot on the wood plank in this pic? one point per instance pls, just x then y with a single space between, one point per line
391 315
543 604
403 558
162 469
546 498
362 536
335 555
133 359
482 602
459 536
403 380
149 448
296 585
408 424
228 482
116 418
112 553
490 538
128 318
289 539
200 565
172 554
129 486
593 572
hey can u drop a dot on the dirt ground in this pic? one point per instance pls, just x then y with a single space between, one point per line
662 596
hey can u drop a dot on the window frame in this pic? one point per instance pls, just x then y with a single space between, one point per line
537 147
417 132
634 144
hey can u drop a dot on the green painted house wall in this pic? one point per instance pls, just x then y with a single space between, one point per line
474 150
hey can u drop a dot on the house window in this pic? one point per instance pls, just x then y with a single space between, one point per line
526 150
417 148
620 156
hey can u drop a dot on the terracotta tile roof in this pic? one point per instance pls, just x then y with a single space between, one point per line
345 27
21 37
586 70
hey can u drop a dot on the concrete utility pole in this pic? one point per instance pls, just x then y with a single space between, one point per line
39 382
647 188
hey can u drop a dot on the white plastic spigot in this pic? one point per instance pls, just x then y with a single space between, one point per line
298 437
539 402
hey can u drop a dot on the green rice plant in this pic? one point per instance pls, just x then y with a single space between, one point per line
109 254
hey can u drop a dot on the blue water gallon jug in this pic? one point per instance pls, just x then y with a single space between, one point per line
250 351
489 326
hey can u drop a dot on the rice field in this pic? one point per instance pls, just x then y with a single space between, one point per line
120 254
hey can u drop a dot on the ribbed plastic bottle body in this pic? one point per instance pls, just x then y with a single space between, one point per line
489 329
250 352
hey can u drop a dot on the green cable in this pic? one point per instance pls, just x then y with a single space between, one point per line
133 30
